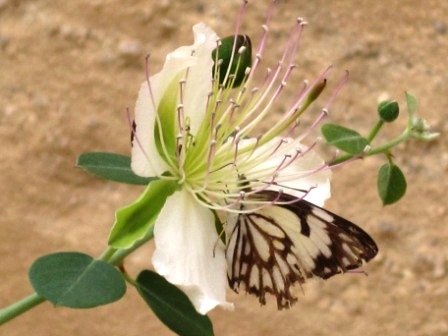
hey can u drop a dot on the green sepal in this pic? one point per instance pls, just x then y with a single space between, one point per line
172 306
391 183
112 167
222 56
134 221
411 102
344 138
76 280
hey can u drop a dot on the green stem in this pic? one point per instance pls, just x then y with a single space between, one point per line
119 255
110 255
107 254
377 150
375 131
20 307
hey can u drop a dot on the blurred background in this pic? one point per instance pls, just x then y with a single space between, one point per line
68 71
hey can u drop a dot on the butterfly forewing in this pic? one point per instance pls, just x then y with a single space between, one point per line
273 248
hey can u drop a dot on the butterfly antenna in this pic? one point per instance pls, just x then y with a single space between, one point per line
358 271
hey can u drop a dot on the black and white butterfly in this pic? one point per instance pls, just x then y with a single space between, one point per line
273 248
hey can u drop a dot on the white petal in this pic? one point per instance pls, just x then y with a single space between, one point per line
318 179
146 160
199 81
189 253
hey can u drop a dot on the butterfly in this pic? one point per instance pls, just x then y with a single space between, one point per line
278 246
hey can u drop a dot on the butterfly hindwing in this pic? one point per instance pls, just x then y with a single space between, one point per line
275 247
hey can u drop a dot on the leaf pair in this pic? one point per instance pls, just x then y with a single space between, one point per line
76 280
132 224
391 182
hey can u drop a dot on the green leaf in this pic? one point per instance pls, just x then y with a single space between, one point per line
241 59
344 138
111 166
76 280
391 183
133 221
172 306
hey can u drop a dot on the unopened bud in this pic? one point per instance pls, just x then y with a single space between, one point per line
388 110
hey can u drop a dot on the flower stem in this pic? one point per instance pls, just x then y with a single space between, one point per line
111 255
377 150
120 254
20 307
375 131
107 254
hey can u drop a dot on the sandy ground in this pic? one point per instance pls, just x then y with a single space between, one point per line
68 70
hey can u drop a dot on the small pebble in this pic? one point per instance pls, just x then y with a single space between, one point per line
439 270
440 27
130 49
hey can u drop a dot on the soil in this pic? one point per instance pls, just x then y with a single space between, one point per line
68 71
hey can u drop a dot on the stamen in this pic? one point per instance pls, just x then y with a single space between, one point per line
289 49
211 154
180 116
237 141
178 146
338 88
324 111
239 20
297 199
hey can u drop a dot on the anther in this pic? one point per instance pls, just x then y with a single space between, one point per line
217 128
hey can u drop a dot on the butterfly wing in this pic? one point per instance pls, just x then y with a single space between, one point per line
273 248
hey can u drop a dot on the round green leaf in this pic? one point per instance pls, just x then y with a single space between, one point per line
344 138
76 280
172 306
111 166
391 183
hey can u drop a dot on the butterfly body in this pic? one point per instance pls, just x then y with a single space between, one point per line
278 246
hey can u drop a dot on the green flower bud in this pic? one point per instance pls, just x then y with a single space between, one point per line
238 61
388 110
